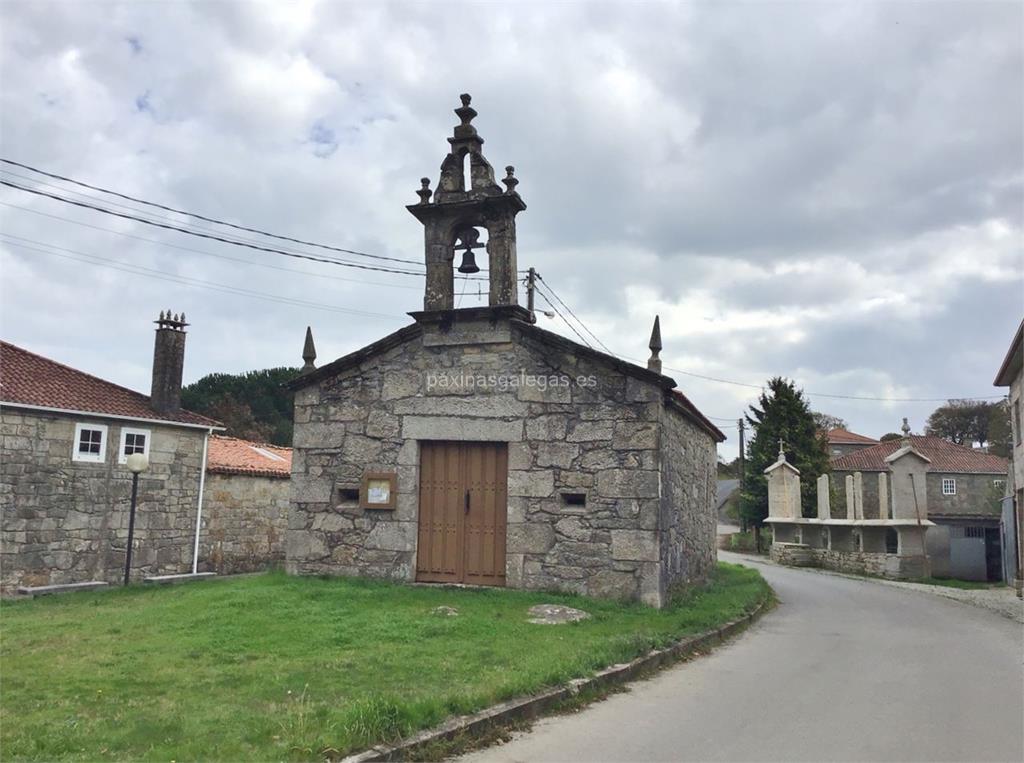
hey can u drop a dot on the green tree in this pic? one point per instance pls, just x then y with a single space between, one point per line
1000 432
890 436
252 405
966 422
826 421
782 413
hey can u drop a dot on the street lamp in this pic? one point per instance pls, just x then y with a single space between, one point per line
137 463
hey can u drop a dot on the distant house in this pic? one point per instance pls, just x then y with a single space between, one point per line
63 481
245 509
841 442
963 487
1011 374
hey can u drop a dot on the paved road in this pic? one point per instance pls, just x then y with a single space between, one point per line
842 670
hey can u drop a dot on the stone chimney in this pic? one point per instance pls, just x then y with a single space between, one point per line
168 363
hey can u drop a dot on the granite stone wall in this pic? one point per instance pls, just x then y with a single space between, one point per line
689 486
245 518
66 521
599 435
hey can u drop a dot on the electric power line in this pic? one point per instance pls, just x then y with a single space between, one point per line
209 236
92 259
213 220
744 384
559 314
203 251
569 309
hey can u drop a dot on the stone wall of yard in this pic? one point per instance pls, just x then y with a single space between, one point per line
599 438
875 564
245 518
66 521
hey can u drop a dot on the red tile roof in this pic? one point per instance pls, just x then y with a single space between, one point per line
845 437
30 379
229 455
944 455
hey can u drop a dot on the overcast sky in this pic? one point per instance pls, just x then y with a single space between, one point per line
826 191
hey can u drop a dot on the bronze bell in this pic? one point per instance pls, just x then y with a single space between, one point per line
468 238
468 262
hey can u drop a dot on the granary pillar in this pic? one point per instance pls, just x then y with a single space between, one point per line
824 508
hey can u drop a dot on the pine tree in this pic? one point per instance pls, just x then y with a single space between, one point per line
783 414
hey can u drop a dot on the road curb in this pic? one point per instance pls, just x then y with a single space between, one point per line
527 708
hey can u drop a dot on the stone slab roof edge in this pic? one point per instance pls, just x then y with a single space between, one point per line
345 362
1013 361
674 397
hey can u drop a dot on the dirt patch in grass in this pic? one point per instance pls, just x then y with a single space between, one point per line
273 667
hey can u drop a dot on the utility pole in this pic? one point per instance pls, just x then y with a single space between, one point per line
531 285
743 465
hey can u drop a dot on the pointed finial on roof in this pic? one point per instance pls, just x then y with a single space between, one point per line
654 363
308 351
782 450
905 428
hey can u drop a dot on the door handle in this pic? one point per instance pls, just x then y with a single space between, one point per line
467 501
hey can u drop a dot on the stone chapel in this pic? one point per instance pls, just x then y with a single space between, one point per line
474 447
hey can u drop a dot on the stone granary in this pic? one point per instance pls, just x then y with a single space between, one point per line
474 447
64 482
962 487
889 543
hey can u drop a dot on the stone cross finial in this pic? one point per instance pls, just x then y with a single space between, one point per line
654 363
782 452
308 351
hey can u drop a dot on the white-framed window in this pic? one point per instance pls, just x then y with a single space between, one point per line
133 441
948 486
90 443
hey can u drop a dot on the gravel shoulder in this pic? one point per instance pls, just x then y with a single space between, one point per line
1002 600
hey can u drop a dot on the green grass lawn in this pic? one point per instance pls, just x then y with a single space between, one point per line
273 667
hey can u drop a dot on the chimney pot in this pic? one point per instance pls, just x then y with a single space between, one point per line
168 363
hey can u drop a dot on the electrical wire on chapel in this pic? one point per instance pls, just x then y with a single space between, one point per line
204 218
137 216
91 203
203 251
757 386
91 259
221 239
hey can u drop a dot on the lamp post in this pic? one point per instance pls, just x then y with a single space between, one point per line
137 463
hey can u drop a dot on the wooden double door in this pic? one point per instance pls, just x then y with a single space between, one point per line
463 512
